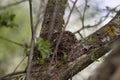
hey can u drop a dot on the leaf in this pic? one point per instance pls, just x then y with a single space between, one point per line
92 56
44 48
19 78
110 31
12 16
30 0
7 19
91 40
87 6
51 3
65 56
63 3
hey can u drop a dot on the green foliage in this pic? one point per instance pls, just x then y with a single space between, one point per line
19 78
52 2
93 57
9 52
7 19
30 0
44 48
90 39
63 2
87 6
65 58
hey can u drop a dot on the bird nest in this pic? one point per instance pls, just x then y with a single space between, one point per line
67 43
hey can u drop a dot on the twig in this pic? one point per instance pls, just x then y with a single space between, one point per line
12 74
16 43
69 7
38 17
12 4
83 17
19 64
61 34
102 19
76 8
32 44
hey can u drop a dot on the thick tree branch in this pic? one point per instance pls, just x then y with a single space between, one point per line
61 34
98 44
110 68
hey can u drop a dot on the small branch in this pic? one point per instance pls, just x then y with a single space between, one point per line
32 44
12 74
12 4
83 18
16 43
19 64
102 19
38 17
58 42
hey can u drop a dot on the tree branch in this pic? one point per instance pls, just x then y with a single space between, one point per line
61 34
16 43
110 67
12 74
102 19
12 4
19 64
32 44
83 17
81 58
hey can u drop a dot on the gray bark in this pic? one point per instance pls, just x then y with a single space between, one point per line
78 58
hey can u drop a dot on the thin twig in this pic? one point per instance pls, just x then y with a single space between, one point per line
102 19
16 43
12 74
61 34
69 7
38 17
83 18
19 64
12 4
32 44
76 8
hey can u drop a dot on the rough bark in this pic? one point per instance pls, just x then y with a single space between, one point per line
79 57
110 68
53 10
